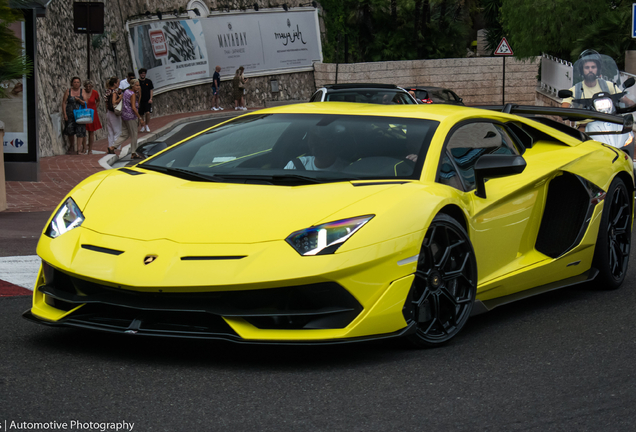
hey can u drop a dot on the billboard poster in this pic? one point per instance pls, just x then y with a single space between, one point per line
13 109
172 51
184 52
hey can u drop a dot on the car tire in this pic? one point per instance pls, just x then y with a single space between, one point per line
443 292
613 244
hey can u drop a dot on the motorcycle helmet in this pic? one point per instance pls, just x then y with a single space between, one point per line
589 55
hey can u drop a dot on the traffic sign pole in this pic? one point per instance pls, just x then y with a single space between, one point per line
503 85
503 49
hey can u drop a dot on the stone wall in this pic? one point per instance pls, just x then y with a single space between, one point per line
294 86
62 55
477 80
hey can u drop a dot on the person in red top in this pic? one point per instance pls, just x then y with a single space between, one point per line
92 100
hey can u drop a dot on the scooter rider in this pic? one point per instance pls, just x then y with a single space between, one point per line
588 69
589 65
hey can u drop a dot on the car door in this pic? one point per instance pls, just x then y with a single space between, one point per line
501 226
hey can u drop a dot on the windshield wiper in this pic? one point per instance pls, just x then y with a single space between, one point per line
181 173
277 179
301 179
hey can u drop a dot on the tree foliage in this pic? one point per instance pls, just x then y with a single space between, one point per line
564 28
13 63
379 30
494 30
610 34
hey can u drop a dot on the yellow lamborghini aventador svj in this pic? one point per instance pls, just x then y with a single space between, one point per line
335 222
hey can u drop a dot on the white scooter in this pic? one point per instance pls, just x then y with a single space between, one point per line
604 102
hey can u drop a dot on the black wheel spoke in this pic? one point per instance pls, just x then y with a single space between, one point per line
616 257
425 295
619 214
430 327
450 297
460 272
444 286
619 231
435 309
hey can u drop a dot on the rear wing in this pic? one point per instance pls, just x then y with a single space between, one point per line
573 114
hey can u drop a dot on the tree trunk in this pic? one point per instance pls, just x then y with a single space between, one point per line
424 22
416 26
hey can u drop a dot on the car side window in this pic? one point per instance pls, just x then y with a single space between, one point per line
316 97
470 141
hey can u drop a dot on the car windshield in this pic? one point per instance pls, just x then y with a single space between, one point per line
290 149
384 97
421 94
441 96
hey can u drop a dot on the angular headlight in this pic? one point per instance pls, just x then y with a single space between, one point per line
67 217
326 238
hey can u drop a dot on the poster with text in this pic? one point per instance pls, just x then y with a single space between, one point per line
181 51
172 51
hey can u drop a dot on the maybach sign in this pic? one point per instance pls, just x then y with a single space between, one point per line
185 51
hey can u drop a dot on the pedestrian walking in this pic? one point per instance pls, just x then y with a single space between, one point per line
145 103
130 117
112 96
238 87
92 100
72 100
216 81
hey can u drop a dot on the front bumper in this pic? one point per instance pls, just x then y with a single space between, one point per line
357 295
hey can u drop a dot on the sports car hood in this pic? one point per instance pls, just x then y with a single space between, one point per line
153 206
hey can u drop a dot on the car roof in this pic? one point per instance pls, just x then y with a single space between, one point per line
426 88
439 112
362 85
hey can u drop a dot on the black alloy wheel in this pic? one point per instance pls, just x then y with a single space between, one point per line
611 255
443 291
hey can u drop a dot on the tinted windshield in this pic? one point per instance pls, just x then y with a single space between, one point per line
385 97
442 96
276 148
421 94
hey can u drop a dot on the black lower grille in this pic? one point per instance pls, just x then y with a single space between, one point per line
315 306
168 323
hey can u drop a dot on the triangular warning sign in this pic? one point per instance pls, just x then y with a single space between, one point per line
504 48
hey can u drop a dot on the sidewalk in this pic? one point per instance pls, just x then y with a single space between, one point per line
60 174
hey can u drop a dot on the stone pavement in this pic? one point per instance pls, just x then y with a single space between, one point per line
60 174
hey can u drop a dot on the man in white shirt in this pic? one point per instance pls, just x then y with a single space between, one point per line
125 83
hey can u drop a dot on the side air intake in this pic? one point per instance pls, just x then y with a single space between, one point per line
565 218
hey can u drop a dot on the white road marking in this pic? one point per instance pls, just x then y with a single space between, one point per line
20 270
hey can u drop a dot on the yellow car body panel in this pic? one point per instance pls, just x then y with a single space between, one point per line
175 218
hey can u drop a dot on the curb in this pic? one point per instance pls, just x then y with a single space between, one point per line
109 160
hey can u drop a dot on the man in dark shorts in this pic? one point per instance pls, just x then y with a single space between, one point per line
216 81
145 102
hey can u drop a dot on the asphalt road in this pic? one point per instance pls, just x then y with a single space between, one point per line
562 361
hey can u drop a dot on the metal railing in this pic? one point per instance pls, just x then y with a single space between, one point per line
556 74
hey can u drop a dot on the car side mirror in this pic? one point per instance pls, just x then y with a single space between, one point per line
563 94
495 166
630 82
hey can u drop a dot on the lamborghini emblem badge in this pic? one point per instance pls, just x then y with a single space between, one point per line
149 259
